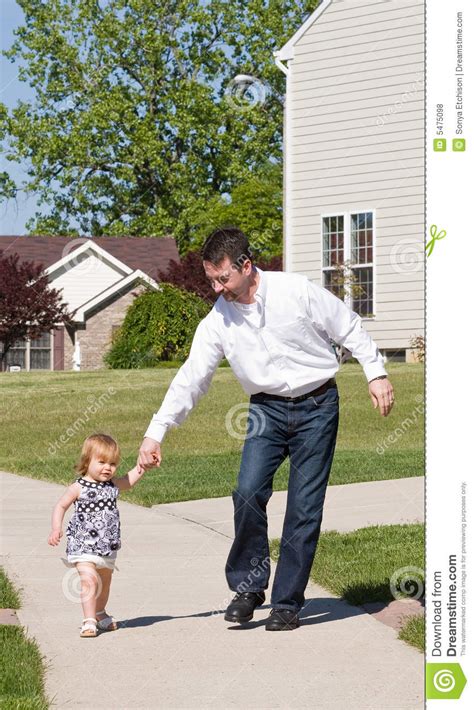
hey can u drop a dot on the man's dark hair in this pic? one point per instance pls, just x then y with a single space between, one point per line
226 241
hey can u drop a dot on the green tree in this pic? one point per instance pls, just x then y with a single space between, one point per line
136 123
159 326
255 206
28 306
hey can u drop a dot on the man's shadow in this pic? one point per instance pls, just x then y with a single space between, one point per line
315 611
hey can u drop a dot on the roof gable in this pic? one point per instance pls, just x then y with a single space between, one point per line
287 51
84 273
88 249
119 288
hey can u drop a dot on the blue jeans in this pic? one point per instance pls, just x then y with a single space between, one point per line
306 432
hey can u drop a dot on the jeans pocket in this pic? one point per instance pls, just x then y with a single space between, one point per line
327 399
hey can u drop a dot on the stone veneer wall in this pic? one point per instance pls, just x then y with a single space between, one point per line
96 337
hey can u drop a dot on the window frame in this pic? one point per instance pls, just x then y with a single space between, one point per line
27 350
346 215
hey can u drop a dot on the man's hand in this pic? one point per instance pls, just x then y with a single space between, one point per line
149 455
381 393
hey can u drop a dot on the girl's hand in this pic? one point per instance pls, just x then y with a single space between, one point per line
54 537
149 455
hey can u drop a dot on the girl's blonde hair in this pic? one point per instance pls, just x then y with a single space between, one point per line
97 445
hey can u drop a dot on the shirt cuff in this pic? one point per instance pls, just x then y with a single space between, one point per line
374 369
156 431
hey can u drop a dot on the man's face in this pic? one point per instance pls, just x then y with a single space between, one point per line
226 279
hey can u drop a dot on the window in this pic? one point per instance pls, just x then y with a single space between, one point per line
40 352
31 354
333 254
333 240
17 354
348 270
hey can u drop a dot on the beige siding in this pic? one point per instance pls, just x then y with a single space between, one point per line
84 277
356 112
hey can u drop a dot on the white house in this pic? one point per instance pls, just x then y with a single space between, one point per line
98 279
354 156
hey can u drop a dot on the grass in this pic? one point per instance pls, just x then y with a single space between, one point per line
21 678
413 632
359 565
46 416
9 597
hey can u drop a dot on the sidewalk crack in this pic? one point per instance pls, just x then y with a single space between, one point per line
202 525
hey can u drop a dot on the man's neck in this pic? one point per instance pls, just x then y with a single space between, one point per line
249 297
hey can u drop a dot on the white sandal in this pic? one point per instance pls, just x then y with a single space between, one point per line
88 628
106 624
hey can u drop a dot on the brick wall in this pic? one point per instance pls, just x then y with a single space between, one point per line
96 338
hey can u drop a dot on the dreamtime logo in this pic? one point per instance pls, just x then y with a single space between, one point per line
444 681
407 583
244 422
245 92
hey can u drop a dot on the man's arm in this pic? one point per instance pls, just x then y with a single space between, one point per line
345 328
190 383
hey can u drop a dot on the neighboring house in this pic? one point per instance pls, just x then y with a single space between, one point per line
355 160
99 278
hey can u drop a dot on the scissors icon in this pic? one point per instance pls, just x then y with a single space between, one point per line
435 236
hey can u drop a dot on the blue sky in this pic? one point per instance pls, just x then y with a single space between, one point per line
15 213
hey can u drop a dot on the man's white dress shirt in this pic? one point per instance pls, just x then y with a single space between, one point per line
278 345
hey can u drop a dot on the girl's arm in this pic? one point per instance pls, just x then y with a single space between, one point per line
65 502
129 480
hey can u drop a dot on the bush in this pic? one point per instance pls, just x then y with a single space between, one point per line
417 343
159 326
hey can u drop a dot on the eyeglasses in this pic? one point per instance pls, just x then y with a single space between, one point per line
224 277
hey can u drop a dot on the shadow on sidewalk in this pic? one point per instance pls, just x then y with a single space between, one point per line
315 611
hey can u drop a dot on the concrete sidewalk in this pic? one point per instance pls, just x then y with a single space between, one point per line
174 649
347 507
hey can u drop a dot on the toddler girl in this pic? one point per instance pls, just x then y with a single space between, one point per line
93 533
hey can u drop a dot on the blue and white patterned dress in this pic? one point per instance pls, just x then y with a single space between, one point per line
94 528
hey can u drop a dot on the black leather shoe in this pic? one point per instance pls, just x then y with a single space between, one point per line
282 620
242 606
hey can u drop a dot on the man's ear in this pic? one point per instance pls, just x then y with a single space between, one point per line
247 267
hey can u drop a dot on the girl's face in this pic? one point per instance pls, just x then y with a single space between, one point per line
101 468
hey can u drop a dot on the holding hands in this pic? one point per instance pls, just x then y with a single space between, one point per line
149 455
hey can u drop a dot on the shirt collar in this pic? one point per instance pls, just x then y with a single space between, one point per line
260 295
261 292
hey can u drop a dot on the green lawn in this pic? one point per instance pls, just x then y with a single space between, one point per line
9 598
359 565
200 458
413 632
21 676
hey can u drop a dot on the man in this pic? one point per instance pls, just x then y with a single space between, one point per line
275 329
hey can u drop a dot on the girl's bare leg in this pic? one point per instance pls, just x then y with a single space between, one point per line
105 576
90 588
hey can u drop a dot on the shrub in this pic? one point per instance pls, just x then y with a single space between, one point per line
159 326
417 343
